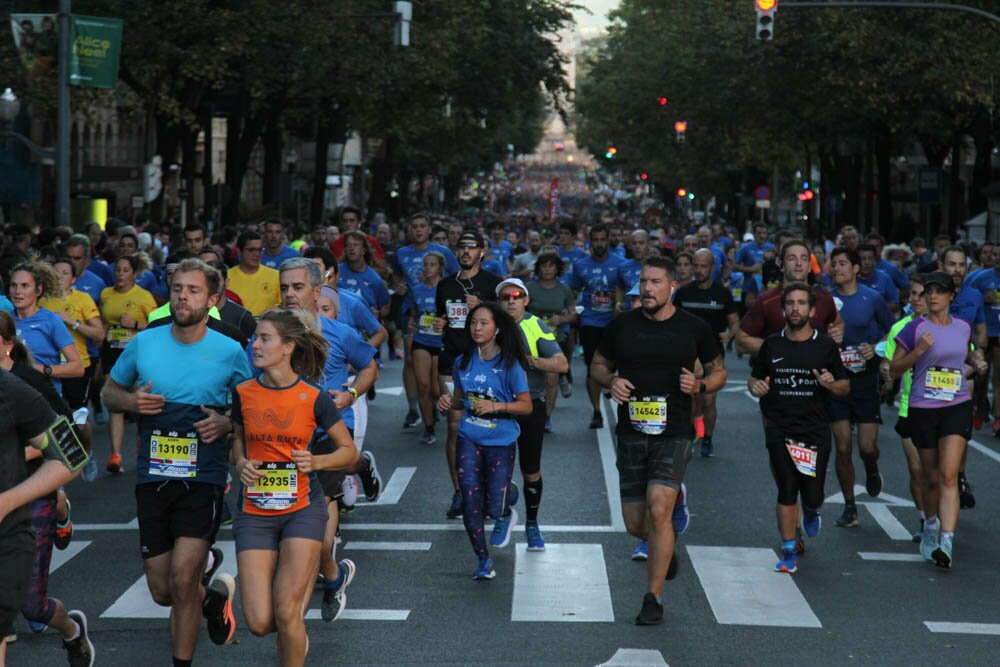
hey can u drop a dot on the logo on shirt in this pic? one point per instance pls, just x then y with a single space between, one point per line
479 378
776 360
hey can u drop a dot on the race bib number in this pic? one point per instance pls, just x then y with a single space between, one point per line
425 325
803 456
278 489
474 419
737 294
852 359
456 311
942 384
601 301
648 414
118 337
173 454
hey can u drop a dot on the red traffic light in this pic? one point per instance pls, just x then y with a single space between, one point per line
806 195
644 176
766 5
662 101
680 126
681 192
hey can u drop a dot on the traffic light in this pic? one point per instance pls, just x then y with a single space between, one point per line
644 176
662 101
681 192
680 127
690 195
765 19
611 152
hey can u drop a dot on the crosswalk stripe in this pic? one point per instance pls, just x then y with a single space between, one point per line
387 546
964 628
394 488
891 557
636 657
983 449
60 558
364 614
743 589
889 523
566 582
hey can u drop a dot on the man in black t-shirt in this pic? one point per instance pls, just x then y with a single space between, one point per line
654 349
457 294
794 374
713 303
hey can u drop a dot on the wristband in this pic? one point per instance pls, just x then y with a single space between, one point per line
77 325
354 393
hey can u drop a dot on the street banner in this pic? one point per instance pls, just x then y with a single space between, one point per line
36 41
95 45
554 210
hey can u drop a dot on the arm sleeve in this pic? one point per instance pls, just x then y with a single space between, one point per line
907 338
362 314
517 379
236 414
381 293
125 372
87 307
242 367
60 334
325 412
548 347
752 323
359 352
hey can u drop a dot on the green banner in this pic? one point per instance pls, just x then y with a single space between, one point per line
95 45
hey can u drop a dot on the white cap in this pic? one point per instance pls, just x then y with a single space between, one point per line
748 236
516 282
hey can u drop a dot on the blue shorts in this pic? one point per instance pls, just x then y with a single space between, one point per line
254 531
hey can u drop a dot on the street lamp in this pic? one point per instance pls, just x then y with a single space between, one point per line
10 107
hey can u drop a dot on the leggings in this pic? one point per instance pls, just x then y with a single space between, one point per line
529 443
791 483
484 476
38 606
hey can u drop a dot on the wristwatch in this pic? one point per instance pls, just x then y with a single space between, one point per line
47 370
77 325
354 393
701 386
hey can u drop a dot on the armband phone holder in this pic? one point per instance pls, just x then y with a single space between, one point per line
65 445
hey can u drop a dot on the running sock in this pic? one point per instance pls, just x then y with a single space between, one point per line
532 498
181 662
788 545
931 523
336 582
950 534
699 426
210 561
75 634
922 516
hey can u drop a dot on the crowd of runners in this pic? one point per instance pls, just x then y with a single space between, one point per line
248 360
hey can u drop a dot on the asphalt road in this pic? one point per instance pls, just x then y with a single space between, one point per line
858 598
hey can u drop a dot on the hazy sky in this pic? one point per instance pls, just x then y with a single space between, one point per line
598 17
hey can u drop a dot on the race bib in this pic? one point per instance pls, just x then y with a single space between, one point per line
425 325
803 456
852 359
456 311
942 384
474 419
173 454
118 337
278 489
737 294
648 414
601 301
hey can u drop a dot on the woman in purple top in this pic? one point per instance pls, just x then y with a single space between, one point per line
938 348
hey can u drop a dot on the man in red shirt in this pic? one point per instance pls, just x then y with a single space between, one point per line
350 220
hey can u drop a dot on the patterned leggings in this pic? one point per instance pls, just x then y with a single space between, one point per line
38 606
484 476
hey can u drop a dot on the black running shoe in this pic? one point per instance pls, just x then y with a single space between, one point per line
966 500
873 481
651 613
597 421
217 557
673 568
218 608
371 482
455 511
80 651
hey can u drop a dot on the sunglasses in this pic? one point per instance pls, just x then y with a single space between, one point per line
254 250
512 296
468 246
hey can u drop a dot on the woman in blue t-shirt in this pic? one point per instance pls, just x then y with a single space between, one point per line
420 305
491 387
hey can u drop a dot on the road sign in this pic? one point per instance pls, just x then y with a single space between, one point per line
763 203
762 192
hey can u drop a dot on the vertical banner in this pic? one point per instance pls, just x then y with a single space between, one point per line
95 45
554 210
36 41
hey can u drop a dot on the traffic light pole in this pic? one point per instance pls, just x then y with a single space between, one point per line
862 4
62 129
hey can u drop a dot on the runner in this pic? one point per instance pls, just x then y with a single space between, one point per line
276 250
654 349
490 388
280 523
554 302
866 321
357 276
456 295
804 368
544 359
872 277
599 282
937 346
256 285
421 307
184 374
125 309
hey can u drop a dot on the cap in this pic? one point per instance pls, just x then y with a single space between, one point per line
634 291
748 236
941 279
516 282
475 237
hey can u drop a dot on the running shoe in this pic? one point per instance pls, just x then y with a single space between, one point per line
789 562
534 536
36 628
873 481
966 499
371 482
707 448
350 492
335 597
64 529
80 651
484 570
918 534
513 494
216 557
565 388
455 511
597 421
218 608
942 555
674 567
811 522
849 518
428 438
115 465
502 529
641 551
681 517
548 425
412 419
651 612
89 473
929 542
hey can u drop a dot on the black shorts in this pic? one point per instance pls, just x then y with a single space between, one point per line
332 481
650 459
76 391
433 351
529 443
928 425
446 363
862 405
109 355
992 343
903 429
794 484
17 558
590 338
172 509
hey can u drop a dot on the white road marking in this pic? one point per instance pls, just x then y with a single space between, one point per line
566 582
635 657
131 525
364 615
743 589
888 522
883 498
891 557
403 527
60 558
964 628
388 546
389 391
609 458
394 488
746 392
983 449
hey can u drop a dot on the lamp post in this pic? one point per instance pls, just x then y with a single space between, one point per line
10 107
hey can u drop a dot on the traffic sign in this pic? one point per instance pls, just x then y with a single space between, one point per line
762 192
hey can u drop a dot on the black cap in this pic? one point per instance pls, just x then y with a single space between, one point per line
941 279
475 237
